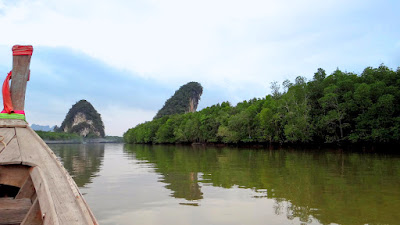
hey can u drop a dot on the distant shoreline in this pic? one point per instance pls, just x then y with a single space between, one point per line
83 141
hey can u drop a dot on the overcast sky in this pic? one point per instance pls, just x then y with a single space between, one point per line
127 57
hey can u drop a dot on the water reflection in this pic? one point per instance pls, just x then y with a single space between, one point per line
81 161
179 171
326 186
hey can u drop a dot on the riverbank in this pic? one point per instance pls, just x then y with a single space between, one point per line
84 141
72 138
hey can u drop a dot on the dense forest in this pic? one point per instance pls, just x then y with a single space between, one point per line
185 99
340 108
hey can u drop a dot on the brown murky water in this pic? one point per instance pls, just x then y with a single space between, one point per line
139 184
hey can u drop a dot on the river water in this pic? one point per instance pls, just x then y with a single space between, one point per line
141 184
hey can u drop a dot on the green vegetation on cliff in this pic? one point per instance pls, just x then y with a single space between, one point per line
184 100
83 119
341 107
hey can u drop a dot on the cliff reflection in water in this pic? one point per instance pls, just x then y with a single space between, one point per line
81 161
178 168
328 186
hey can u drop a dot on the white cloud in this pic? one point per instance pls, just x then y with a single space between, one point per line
233 45
118 120
169 39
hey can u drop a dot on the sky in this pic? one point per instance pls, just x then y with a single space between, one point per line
128 57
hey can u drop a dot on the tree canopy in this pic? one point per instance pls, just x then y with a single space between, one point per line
340 108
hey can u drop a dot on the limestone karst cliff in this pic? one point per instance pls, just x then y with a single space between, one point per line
184 100
84 120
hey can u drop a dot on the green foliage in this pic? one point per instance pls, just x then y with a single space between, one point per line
58 136
340 108
180 101
90 113
116 139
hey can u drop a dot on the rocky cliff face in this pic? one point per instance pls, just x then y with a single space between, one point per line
184 100
192 105
84 120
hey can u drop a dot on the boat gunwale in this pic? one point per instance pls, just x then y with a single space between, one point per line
39 177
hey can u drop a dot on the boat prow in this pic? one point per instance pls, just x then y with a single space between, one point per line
34 186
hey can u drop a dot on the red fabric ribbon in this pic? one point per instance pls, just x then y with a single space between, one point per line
22 49
15 111
8 106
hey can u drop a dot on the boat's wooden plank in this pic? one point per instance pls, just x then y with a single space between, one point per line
34 196
27 190
13 211
68 202
6 134
14 175
44 197
13 123
34 216
11 154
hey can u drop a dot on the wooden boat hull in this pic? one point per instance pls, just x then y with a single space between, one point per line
34 186
18 198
